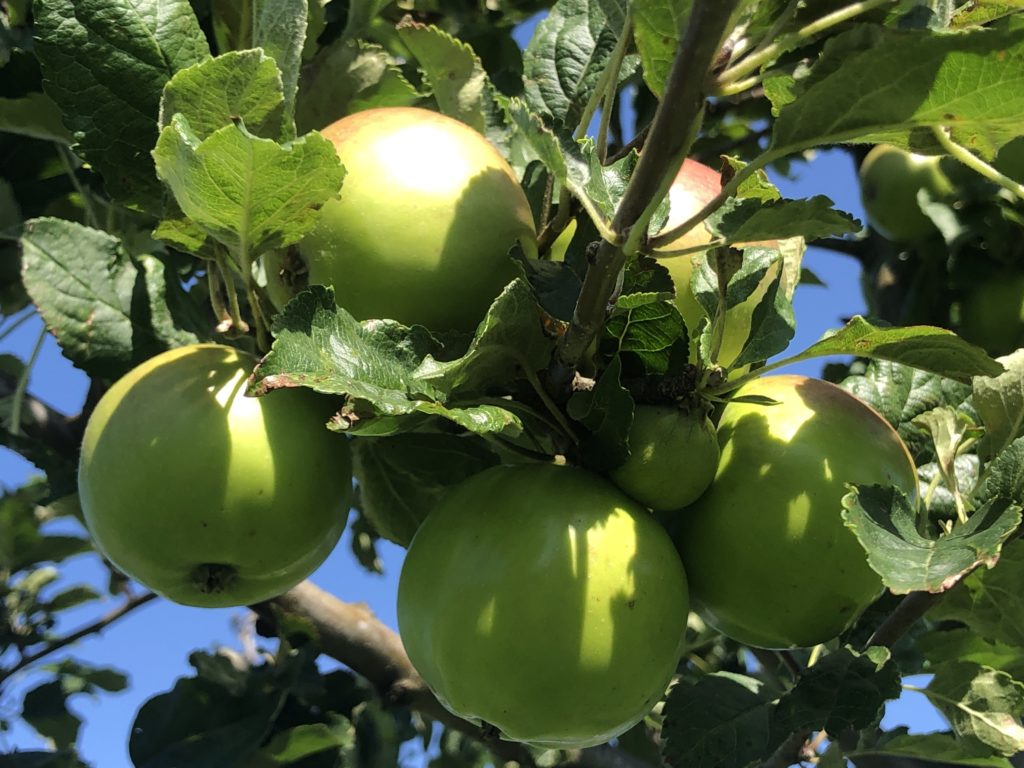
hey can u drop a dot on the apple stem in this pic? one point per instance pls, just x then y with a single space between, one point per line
975 163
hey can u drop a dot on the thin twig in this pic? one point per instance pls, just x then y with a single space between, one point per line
133 603
760 57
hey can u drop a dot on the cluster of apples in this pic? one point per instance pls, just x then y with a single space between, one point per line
545 600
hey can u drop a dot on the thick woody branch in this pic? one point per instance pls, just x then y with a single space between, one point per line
671 135
355 637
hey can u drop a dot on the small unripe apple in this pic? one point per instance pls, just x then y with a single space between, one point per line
992 314
890 179
421 232
672 460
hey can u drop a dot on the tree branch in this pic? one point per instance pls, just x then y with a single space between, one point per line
352 635
43 423
913 607
134 602
673 129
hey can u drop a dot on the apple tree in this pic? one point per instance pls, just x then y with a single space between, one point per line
519 311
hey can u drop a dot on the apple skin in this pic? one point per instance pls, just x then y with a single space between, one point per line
206 496
992 314
770 561
1010 159
890 178
695 186
673 457
428 212
542 600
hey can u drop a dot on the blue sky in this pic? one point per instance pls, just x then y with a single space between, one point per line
152 646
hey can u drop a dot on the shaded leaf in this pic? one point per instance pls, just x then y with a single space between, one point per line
105 63
885 523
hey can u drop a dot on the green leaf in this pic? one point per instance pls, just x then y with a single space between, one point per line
401 478
885 523
242 86
320 346
658 28
22 543
89 291
722 721
844 690
45 706
929 349
45 709
938 748
71 598
34 115
940 647
650 327
1000 404
76 677
453 71
105 63
1005 475
901 394
607 412
251 194
980 703
898 82
749 220
576 166
279 28
990 602
204 723
287 747
510 342
725 280
984 12
347 77
568 55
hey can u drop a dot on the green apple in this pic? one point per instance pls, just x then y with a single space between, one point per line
204 495
890 179
421 232
673 457
992 314
543 601
770 561
1010 159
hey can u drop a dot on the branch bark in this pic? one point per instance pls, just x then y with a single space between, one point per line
673 129
41 422
351 634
